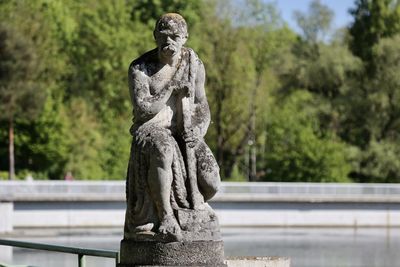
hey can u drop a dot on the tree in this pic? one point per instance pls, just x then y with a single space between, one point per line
373 20
44 142
39 140
316 23
372 118
228 79
285 107
106 41
148 11
297 150
84 49
266 36
21 95
303 141
237 56
379 160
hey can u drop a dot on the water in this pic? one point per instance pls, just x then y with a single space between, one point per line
307 247
320 247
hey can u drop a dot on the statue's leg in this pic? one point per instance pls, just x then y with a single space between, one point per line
207 171
160 181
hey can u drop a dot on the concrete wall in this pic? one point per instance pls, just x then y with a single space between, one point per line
6 217
102 204
6 254
309 215
235 214
258 262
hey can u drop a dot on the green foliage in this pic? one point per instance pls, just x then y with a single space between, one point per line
309 108
106 42
303 131
380 163
379 160
327 73
29 70
296 150
26 174
43 145
103 47
316 23
3 175
373 20
238 62
86 142
237 175
20 68
148 11
360 96
384 91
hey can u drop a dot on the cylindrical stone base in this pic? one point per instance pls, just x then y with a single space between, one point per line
195 253
239 262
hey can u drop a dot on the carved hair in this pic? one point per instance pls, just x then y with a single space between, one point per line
171 21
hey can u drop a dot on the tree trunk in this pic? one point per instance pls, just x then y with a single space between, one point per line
252 147
11 173
252 144
220 142
253 161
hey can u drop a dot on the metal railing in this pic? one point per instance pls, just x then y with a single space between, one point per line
80 252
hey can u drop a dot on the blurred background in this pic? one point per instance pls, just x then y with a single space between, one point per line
305 100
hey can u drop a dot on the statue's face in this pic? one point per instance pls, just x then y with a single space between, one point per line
170 40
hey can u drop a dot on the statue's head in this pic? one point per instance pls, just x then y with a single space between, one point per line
170 33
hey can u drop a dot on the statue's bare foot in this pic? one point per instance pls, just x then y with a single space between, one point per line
170 229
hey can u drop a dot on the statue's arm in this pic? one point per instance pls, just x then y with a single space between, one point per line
201 113
145 104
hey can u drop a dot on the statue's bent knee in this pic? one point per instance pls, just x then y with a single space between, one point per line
161 154
157 141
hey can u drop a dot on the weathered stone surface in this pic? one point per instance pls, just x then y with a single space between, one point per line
150 253
199 224
172 173
196 225
238 262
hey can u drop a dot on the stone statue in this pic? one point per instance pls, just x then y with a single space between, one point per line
172 173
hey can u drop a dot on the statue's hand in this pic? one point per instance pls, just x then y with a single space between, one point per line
191 136
182 88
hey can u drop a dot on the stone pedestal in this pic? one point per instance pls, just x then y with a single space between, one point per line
150 253
6 211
